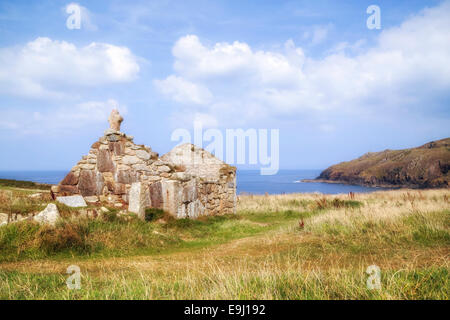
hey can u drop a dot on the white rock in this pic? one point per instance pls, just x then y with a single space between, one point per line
141 167
3 217
72 201
138 199
104 210
143 154
163 169
153 178
182 176
123 167
87 166
91 199
130 160
49 216
3 224
110 131
35 195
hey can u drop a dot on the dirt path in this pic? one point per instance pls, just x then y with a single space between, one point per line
286 251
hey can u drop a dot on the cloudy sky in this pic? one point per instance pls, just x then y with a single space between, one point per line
312 69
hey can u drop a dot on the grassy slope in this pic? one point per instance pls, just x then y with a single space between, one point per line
7 183
425 166
261 253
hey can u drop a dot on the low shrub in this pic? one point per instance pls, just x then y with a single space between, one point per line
324 203
153 214
65 236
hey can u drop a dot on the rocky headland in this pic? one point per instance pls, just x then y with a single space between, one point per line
426 166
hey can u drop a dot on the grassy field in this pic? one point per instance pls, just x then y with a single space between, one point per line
297 246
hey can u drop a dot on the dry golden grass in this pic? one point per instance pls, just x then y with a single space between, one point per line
388 206
404 232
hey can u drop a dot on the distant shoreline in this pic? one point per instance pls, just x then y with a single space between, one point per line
390 186
248 181
24 184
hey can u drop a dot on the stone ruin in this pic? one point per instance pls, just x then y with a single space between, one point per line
187 182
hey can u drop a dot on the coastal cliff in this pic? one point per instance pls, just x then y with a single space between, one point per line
426 166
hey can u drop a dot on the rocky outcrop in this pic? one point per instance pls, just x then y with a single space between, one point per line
423 167
187 182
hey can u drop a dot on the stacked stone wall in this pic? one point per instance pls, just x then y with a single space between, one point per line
119 171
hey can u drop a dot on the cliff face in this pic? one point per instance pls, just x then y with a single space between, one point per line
426 166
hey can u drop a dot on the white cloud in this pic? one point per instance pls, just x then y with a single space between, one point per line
183 91
44 67
231 62
406 68
59 120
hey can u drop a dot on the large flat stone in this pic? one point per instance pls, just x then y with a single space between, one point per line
138 199
130 160
72 201
104 161
68 189
117 148
126 176
71 179
172 193
144 155
189 194
119 189
49 216
91 183
156 196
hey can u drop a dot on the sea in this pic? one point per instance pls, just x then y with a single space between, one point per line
248 181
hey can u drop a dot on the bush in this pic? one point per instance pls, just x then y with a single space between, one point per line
153 214
62 237
24 184
110 216
324 203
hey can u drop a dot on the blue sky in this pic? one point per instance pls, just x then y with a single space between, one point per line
311 69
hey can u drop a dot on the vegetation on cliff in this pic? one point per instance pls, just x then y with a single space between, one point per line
426 166
8 183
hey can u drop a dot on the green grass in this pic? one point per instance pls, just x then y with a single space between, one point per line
309 247
428 283
415 230
115 235
6 183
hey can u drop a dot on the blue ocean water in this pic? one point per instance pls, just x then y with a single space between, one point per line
289 181
50 177
248 181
